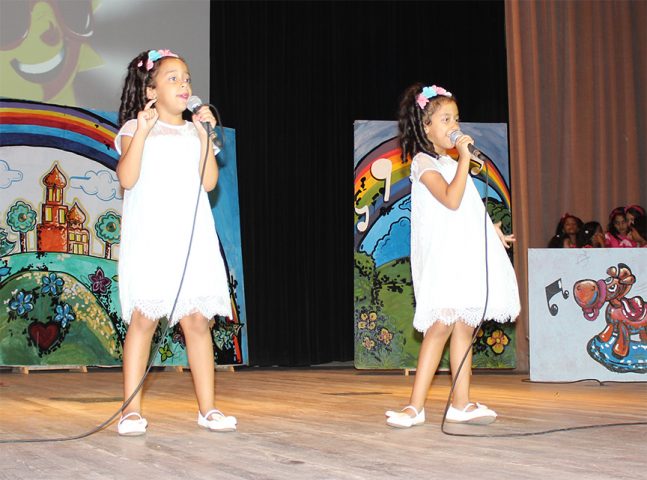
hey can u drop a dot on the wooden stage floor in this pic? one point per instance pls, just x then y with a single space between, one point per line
318 423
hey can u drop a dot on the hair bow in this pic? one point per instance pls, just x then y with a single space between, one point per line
154 55
430 92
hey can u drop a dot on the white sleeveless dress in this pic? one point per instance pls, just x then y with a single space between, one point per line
448 255
156 227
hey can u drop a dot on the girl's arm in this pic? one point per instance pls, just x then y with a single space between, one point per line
450 194
130 162
210 179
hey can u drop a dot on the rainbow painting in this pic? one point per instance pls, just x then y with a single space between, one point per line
76 130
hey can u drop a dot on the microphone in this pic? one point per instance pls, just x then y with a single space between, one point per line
478 157
193 104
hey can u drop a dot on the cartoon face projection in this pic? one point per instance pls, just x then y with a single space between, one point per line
43 45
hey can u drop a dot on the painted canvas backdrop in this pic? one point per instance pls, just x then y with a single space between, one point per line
567 342
59 242
383 291
75 52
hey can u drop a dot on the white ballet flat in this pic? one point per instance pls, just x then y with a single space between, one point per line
481 415
219 422
129 427
402 419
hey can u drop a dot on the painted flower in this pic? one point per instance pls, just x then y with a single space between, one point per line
371 325
165 352
497 341
21 217
178 337
4 270
385 336
52 283
363 315
361 325
372 316
22 303
368 343
64 314
100 282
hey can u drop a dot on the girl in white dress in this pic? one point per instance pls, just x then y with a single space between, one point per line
162 157
448 253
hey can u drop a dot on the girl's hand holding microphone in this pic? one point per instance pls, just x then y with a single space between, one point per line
461 145
203 116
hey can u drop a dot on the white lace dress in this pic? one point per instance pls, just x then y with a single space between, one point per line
448 255
156 228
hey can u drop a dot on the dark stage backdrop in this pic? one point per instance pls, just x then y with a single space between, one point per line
291 77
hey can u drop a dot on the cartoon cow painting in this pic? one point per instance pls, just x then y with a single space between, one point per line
625 316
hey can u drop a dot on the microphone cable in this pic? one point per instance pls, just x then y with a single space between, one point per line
467 352
164 328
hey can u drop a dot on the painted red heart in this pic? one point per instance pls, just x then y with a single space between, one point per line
44 334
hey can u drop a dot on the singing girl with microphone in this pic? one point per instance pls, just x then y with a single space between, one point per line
448 253
162 157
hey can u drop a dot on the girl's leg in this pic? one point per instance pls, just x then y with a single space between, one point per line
461 340
431 351
136 352
199 348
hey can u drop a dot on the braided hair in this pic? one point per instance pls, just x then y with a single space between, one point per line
412 119
138 78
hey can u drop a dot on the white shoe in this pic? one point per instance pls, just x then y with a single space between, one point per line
132 427
481 415
403 420
218 422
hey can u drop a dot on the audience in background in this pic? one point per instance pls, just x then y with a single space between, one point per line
626 229
566 232
632 212
618 230
638 231
591 236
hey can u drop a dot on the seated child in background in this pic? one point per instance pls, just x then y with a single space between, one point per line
632 212
591 236
618 230
566 232
638 231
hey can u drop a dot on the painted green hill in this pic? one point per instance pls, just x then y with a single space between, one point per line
49 316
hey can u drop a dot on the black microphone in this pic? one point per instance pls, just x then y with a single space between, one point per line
193 104
478 157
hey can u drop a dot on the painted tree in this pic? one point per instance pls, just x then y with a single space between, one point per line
108 229
21 218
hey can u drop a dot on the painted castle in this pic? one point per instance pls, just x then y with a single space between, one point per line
61 228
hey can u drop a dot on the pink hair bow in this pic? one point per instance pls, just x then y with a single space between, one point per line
154 55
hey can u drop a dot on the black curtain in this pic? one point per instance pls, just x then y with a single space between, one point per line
291 77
